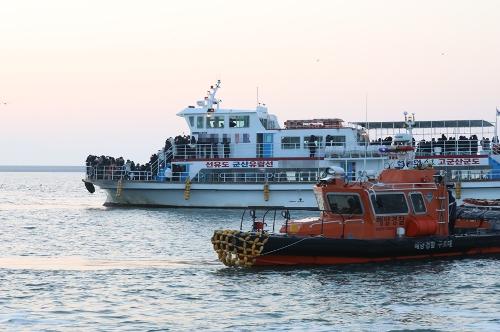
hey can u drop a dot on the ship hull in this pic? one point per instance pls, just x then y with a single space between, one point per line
292 196
337 252
147 194
278 250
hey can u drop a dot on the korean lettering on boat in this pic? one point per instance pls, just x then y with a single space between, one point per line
428 245
390 220
240 164
450 161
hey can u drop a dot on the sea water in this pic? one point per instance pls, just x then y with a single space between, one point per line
67 263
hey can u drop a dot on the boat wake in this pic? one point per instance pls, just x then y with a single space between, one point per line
78 263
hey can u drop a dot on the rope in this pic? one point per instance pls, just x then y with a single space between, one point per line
287 246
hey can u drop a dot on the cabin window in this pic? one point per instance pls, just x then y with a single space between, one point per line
417 200
393 203
239 121
191 121
316 141
215 122
332 140
345 204
199 121
241 138
290 142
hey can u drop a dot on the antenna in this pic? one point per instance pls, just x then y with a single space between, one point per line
258 103
366 112
367 138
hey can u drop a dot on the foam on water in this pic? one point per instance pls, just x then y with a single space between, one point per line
75 263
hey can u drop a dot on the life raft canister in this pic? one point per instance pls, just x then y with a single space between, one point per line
421 227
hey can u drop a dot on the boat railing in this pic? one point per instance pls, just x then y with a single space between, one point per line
402 186
353 152
453 147
260 223
240 150
267 222
290 146
474 175
115 173
257 177
333 150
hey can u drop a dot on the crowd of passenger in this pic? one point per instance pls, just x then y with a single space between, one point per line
180 147
188 147
452 145
446 145
107 166
207 146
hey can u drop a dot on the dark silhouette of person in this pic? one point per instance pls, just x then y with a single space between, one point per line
312 146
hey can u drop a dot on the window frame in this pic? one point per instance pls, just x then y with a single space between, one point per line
289 146
319 139
413 205
334 143
346 194
216 119
390 214
200 120
239 118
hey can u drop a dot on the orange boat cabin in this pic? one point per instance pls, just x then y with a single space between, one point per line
400 203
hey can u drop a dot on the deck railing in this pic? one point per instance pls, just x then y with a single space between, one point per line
257 177
323 149
115 173
474 175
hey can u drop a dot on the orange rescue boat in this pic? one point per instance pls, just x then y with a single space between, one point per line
404 214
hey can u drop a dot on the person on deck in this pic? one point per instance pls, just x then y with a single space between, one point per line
312 146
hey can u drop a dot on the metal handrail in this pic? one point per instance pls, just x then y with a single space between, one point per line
258 177
121 173
359 149
285 213
475 175
403 186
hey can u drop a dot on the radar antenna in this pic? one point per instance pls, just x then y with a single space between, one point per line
211 97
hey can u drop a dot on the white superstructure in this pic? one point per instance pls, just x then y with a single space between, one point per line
240 158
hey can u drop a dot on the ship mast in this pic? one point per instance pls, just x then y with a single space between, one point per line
410 155
211 97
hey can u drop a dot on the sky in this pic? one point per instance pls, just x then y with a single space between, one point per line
108 76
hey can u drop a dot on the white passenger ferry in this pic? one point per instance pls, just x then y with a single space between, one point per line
239 158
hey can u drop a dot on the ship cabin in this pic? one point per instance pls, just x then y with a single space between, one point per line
228 133
236 145
399 203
